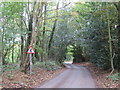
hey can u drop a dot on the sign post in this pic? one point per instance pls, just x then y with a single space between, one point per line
30 64
30 51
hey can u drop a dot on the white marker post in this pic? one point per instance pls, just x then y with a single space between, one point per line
30 51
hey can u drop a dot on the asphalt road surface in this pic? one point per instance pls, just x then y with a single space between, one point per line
74 77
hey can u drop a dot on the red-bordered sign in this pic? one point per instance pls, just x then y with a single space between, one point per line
30 50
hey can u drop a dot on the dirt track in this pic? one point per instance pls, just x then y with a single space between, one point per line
74 77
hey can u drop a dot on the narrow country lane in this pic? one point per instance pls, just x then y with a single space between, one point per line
74 77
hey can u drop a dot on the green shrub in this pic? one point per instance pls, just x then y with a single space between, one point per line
48 65
115 77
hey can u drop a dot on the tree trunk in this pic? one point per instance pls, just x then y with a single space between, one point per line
53 30
30 28
43 35
38 24
22 47
28 43
110 41
31 36
13 50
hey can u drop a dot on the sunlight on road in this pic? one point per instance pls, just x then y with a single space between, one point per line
68 62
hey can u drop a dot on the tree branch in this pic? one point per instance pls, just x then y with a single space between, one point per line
60 7
55 9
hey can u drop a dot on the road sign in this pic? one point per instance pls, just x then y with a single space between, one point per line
30 50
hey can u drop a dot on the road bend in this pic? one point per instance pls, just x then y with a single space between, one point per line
75 76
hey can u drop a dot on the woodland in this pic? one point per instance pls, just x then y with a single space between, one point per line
59 31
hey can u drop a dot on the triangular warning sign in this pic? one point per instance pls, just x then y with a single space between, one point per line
30 50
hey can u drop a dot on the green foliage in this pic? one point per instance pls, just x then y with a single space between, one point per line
92 33
61 40
11 75
115 77
69 53
11 14
78 54
10 67
48 65
81 28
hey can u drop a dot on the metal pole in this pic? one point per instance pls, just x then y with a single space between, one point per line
30 64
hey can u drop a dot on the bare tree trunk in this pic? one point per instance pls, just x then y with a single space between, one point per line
43 35
37 25
110 42
22 46
13 49
30 28
28 43
53 30
33 20
22 52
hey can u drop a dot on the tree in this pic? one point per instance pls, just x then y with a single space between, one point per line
53 29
